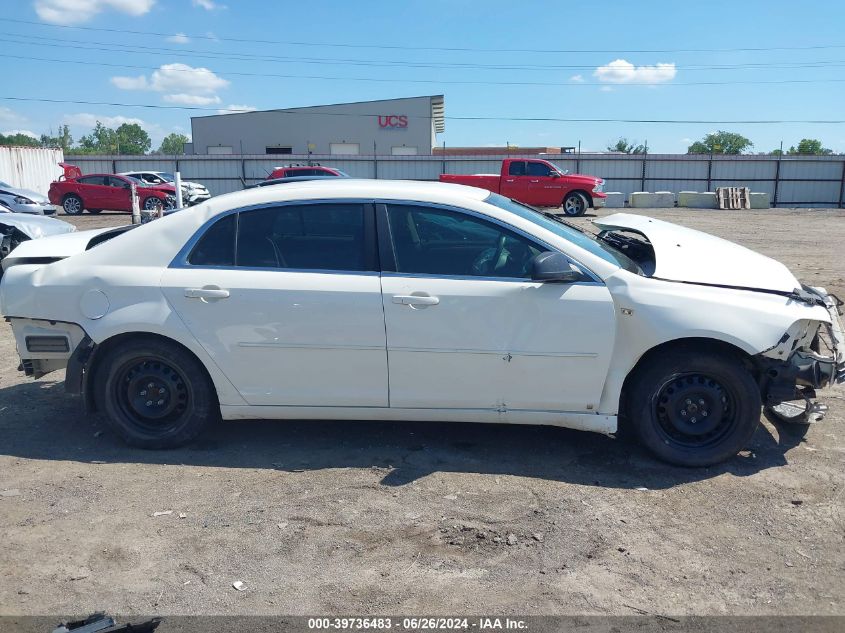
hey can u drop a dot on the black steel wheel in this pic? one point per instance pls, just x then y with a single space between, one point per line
693 407
155 394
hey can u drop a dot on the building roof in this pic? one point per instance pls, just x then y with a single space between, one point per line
438 109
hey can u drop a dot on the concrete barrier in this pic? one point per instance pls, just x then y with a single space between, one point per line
657 200
760 200
697 200
615 200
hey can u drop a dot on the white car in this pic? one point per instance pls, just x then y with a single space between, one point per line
15 229
19 200
192 192
384 300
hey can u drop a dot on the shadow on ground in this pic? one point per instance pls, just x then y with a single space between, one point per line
39 421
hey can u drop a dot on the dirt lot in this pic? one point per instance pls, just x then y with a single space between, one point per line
368 518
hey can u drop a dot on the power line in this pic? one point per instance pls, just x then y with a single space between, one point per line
451 118
215 38
241 56
479 82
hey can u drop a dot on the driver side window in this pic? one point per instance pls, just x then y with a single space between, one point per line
440 242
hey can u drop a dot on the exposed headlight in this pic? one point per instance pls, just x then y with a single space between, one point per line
22 200
599 186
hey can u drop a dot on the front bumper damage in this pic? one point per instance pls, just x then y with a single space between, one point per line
809 356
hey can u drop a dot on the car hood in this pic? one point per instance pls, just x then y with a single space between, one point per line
26 193
691 256
36 226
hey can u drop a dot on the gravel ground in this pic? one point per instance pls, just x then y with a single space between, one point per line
386 518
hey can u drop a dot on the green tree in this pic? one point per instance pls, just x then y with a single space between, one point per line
776 152
622 145
18 139
809 147
63 139
132 139
101 140
173 143
721 143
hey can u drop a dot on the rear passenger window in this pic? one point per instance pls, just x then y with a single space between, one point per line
517 168
92 180
217 246
311 237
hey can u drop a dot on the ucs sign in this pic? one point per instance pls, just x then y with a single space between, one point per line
394 121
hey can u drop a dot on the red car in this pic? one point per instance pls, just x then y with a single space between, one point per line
541 184
95 192
295 171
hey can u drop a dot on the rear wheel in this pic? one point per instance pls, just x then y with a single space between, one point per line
72 204
155 395
575 204
694 409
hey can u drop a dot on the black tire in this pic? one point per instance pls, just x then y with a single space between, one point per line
152 203
133 374
575 204
694 408
72 204
95 211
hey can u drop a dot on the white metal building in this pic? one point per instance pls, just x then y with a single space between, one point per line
399 127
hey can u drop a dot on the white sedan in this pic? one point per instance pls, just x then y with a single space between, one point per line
385 300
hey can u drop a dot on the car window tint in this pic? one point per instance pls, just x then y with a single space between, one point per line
92 180
117 182
440 242
217 245
311 237
538 169
517 168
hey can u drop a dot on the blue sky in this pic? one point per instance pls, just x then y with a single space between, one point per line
608 75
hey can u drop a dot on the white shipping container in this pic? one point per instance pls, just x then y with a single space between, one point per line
31 168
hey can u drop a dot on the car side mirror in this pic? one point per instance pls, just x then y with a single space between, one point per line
552 267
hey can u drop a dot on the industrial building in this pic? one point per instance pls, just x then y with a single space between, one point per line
399 127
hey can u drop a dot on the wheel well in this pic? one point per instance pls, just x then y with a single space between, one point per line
91 396
69 194
689 346
584 193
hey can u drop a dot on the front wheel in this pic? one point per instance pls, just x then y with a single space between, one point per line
575 204
694 408
155 395
153 204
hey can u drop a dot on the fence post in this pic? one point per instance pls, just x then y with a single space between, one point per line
443 162
642 178
709 172
375 161
243 170
777 180
842 186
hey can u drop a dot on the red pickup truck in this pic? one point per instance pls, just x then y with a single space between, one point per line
539 183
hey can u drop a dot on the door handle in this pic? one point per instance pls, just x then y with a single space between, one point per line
416 300
509 180
535 181
206 292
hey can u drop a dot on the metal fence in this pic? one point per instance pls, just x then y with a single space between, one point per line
790 181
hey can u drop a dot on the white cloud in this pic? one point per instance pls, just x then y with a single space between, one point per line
24 132
175 78
621 71
179 38
578 78
208 5
86 119
79 11
7 115
234 108
195 100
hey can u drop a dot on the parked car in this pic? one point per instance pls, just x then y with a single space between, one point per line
306 301
19 200
192 192
96 192
290 179
293 171
540 184
16 229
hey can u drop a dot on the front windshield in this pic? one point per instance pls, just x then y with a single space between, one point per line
559 168
567 231
342 173
167 176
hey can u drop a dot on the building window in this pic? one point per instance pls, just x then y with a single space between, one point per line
278 150
403 151
345 148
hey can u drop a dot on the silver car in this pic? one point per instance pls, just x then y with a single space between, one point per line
19 200
192 192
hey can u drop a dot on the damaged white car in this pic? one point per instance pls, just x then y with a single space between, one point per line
386 300
17 228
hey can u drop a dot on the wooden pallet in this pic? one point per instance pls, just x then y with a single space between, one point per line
734 197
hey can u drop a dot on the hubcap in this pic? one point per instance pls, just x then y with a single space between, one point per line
151 203
152 394
694 409
572 206
72 205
